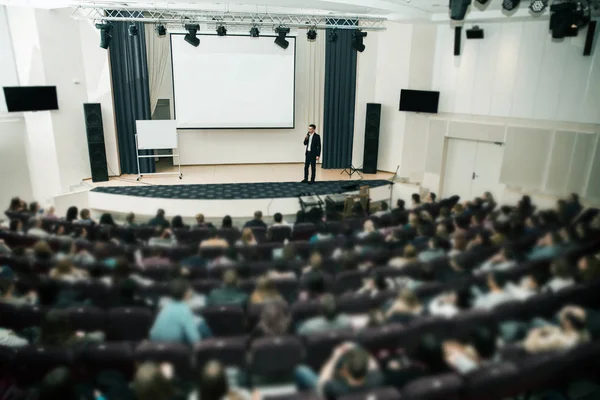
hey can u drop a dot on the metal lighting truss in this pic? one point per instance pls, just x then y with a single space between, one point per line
116 12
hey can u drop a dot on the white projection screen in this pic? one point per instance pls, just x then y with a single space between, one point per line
233 82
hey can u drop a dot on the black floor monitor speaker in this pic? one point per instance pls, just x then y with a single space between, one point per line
371 138
95 138
589 39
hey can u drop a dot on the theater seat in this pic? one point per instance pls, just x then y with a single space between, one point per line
177 354
31 363
99 357
230 351
125 323
275 356
303 231
494 380
385 393
439 387
224 320
319 346
279 234
87 319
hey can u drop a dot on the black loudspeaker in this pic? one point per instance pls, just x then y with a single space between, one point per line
589 39
457 37
371 138
95 138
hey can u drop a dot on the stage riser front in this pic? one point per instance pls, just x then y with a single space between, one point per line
146 207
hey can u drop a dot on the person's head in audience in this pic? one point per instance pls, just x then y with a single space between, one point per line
15 225
265 291
441 231
355 366
278 218
107 219
316 260
42 251
407 302
213 384
369 227
63 268
200 219
300 217
482 238
152 382
58 384
84 215
459 242
329 307
227 222
430 353
177 222
413 220
409 252
130 218
416 199
573 320
121 271
315 285
400 204
477 220
384 206
421 230
458 209
431 197
35 223
34 208
230 279
180 290
275 318
15 205
72 213
258 215
55 329
589 268
247 237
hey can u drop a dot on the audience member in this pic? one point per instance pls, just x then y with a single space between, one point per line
213 385
85 217
257 222
383 211
214 241
278 220
201 223
416 200
153 382
321 234
159 220
36 229
229 293
163 237
265 292
247 238
177 223
107 219
409 256
227 223
330 319
130 220
275 320
175 322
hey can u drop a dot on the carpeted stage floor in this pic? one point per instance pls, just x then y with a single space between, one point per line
241 191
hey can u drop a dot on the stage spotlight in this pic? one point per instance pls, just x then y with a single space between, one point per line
537 6
161 30
458 9
191 37
311 35
133 30
280 41
105 34
357 40
221 30
510 5
254 32
333 35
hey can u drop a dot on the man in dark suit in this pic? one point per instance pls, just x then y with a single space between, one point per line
312 141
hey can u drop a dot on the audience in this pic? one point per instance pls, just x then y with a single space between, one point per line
257 222
201 223
265 292
278 220
330 320
229 293
159 220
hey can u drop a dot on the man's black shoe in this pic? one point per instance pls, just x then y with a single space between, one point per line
304 181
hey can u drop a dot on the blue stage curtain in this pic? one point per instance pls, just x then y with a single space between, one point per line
340 91
131 93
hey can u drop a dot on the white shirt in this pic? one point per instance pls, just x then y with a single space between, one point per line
309 148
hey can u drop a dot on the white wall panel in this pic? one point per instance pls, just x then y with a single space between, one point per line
560 160
506 68
593 184
550 75
435 146
580 162
8 70
476 131
530 56
487 57
518 71
525 157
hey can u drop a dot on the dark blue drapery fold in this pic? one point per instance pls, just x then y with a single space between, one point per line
340 91
131 93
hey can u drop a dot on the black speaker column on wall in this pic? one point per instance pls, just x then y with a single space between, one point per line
589 39
95 138
371 138
457 37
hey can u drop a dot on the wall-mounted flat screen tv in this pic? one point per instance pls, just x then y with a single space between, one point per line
424 101
30 98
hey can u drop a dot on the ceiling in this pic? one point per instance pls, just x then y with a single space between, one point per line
397 10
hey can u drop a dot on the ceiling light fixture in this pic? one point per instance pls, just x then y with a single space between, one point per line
191 37
280 41
357 40
133 30
510 5
333 36
105 34
537 6
221 30
311 35
254 32
161 30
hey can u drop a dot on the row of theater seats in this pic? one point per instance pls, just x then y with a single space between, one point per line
281 355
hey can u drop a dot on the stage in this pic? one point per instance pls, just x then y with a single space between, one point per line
215 191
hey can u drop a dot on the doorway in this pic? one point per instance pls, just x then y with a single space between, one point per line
472 168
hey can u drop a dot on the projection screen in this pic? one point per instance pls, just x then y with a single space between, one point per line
233 82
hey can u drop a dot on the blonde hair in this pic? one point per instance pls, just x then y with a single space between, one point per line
247 236
409 251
